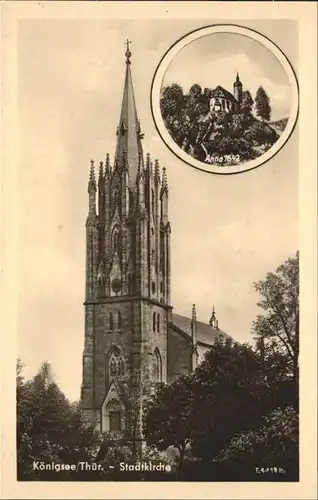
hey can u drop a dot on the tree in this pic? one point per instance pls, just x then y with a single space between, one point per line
276 331
195 90
247 102
274 445
49 427
262 103
230 395
169 417
171 101
207 92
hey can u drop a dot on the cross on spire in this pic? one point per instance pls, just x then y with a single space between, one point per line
127 53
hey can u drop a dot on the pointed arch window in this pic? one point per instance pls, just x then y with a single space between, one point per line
157 368
114 420
162 252
153 203
113 416
121 366
116 364
158 322
111 321
116 240
152 257
119 321
112 368
154 322
115 198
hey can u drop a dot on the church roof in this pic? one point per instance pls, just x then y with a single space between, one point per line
205 334
128 133
221 92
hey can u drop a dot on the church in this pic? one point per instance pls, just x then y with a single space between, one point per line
221 100
130 325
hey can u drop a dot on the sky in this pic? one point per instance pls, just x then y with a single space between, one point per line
227 231
215 59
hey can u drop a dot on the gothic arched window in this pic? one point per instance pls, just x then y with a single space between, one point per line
113 368
116 240
157 366
158 322
113 416
162 252
116 364
153 203
131 200
115 198
119 321
154 322
127 196
121 366
111 321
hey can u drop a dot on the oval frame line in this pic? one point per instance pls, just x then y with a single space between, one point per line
156 86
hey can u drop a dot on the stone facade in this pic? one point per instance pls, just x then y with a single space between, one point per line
132 338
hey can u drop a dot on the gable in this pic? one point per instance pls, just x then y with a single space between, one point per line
221 92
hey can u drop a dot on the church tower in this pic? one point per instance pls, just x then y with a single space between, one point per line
127 303
238 89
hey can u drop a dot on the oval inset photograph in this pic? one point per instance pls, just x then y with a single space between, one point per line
224 99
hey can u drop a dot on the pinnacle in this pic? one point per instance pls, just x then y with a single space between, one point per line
194 313
101 172
213 321
107 165
157 170
164 179
92 179
148 161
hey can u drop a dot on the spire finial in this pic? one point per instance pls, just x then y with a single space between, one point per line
92 180
214 323
127 53
194 313
101 173
148 161
157 170
107 165
164 183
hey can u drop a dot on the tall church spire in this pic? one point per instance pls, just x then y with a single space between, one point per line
128 132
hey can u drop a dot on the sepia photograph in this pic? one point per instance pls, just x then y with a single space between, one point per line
159 317
182 364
